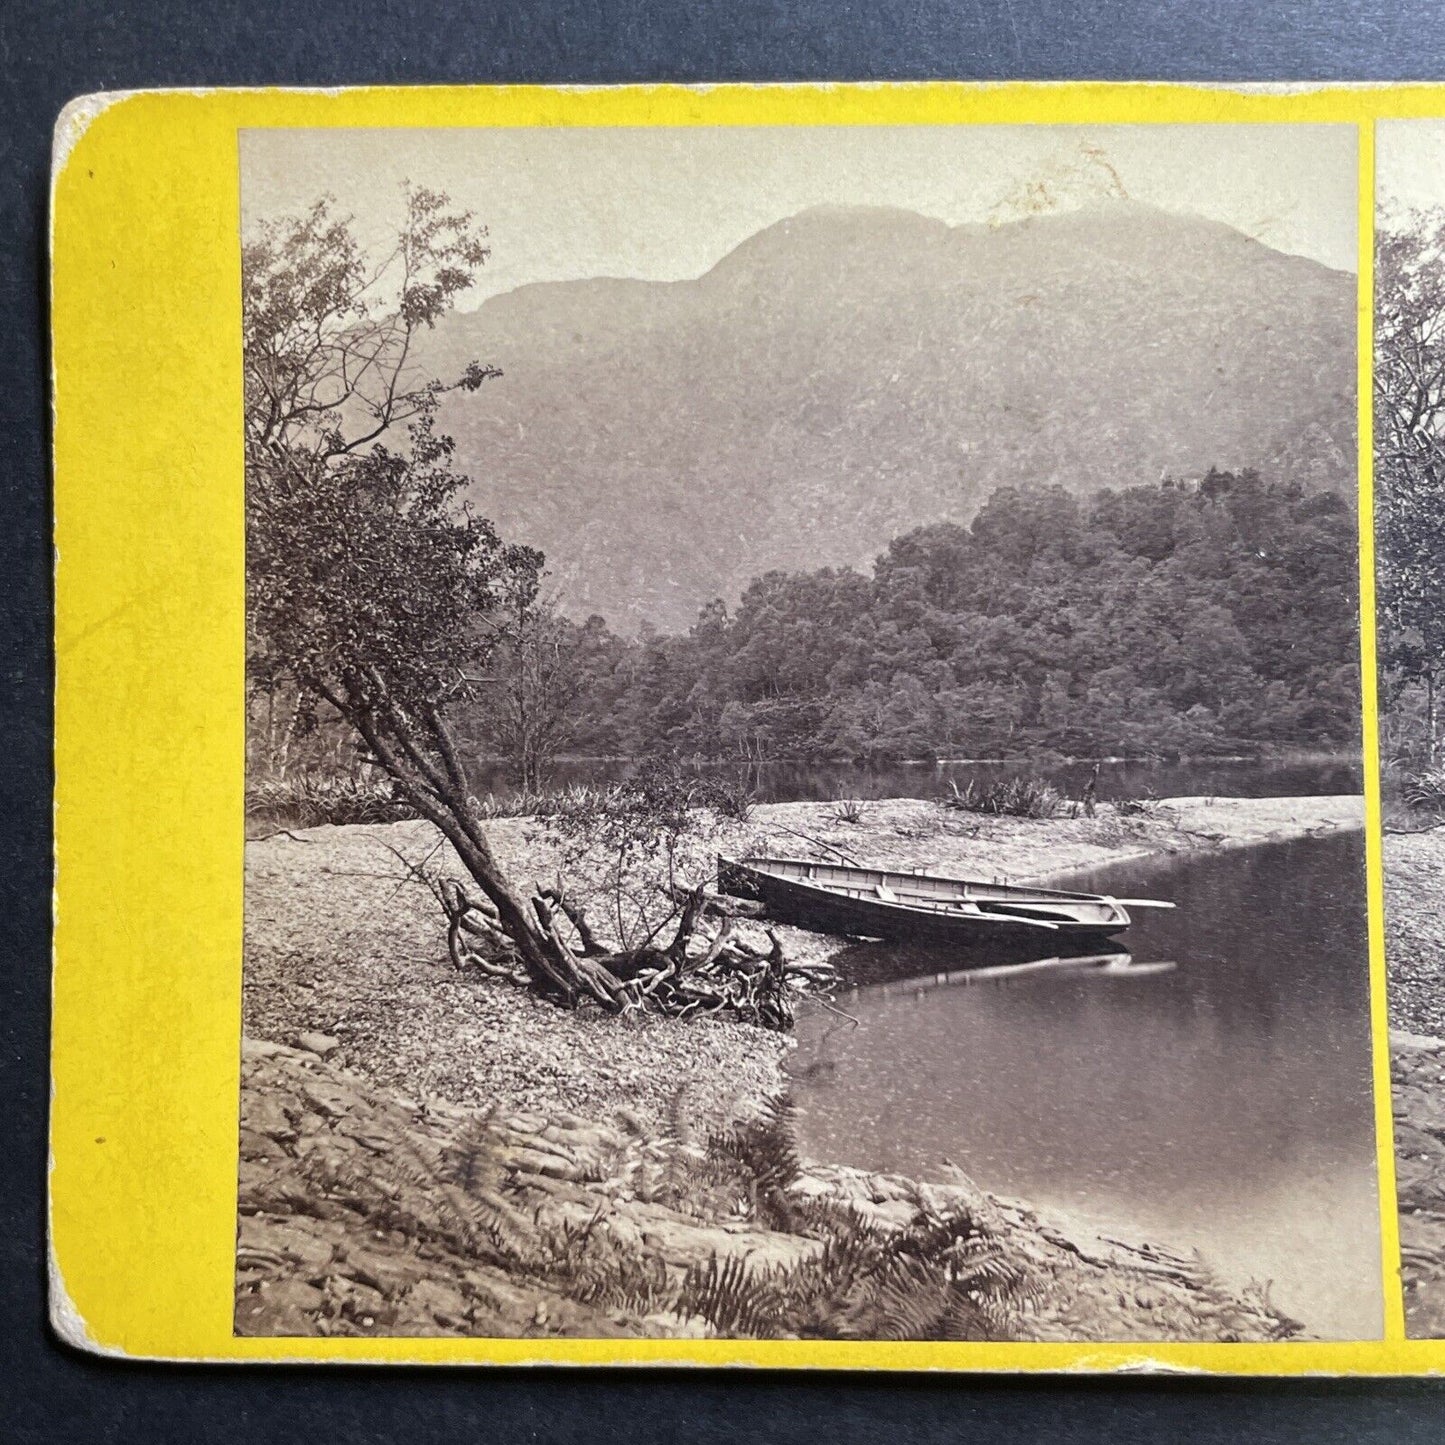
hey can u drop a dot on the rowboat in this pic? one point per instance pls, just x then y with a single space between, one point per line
885 903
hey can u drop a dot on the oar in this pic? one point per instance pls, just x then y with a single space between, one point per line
1140 902
1010 918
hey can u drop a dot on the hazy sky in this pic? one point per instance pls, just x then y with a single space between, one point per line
666 204
1410 163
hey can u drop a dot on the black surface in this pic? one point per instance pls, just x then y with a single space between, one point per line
51 52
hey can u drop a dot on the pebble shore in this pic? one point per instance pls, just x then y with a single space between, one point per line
1417 1070
1415 962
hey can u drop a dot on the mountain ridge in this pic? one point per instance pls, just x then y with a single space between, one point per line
848 373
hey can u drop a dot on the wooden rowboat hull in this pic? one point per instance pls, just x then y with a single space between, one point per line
857 902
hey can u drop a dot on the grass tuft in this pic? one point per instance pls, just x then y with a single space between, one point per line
1019 796
307 800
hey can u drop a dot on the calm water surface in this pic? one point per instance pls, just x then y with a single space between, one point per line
1224 1103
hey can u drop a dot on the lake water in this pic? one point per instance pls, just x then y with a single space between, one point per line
787 782
1223 1103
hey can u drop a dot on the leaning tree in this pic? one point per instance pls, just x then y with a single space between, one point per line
368 577
373 588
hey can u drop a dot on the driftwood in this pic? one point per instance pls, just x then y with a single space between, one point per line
817 843
698 973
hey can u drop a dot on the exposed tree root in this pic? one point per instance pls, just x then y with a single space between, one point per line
702 971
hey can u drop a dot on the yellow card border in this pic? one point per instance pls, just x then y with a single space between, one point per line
149 745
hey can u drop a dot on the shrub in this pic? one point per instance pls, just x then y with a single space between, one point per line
1425 789
848 810
545 802
941 1276
731 797
1145 807
658 785
1015 797
309 799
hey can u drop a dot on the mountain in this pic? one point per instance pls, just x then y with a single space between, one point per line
851 373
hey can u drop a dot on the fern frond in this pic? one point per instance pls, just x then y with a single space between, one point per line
733 1299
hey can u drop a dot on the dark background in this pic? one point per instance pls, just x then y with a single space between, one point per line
51 52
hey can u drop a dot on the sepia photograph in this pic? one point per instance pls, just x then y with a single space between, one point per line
804 765
1409 449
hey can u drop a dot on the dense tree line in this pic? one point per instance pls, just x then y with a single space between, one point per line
1181 617
1410 480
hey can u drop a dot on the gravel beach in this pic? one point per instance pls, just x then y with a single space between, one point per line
1415 931
1415 961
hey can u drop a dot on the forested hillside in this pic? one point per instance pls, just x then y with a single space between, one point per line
1165 618
850 374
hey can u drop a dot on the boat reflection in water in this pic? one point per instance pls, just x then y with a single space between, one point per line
1102 965
883 972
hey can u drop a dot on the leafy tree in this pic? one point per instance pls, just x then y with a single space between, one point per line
536 681
1410 457
370 584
